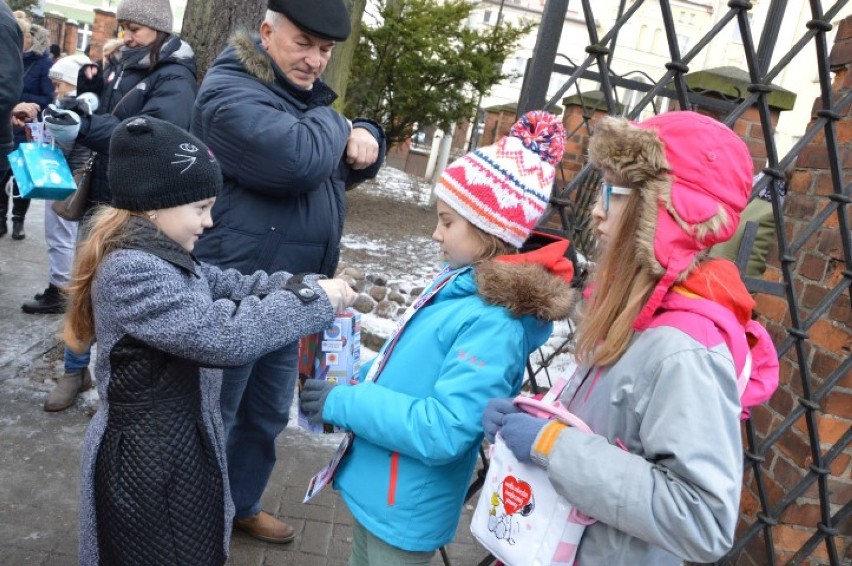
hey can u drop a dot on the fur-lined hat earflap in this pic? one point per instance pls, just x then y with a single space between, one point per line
694 177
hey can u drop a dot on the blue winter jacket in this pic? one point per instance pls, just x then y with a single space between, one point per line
38 87
418 428
282 152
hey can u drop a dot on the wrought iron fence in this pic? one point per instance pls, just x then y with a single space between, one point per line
573 198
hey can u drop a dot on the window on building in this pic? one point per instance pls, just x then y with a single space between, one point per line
737 36
659 46
486 16
84 36
642 43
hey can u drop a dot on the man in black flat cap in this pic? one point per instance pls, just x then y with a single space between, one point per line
287 158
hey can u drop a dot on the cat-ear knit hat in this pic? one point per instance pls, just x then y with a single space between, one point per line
154 164
504 188
155 14
693 175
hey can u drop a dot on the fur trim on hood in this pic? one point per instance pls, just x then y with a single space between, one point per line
257 63
694 178
41 39
639 158
526 289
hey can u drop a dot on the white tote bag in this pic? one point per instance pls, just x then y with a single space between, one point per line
519 517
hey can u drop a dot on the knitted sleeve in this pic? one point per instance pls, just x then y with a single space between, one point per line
233 285
154 302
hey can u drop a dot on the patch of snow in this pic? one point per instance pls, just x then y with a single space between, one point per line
376 325
398 185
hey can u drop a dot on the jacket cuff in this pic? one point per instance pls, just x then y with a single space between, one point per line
301 289
545 441
85 126
371 126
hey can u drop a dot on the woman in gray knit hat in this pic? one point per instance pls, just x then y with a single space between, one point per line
153 74
153 487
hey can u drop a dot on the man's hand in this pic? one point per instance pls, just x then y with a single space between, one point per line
362 149
23 113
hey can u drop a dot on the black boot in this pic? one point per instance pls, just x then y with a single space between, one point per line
18 229
3 228
51 302
38 296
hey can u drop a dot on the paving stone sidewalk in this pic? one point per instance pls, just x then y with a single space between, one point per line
39 452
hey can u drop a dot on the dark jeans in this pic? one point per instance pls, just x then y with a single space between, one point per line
255 405
20 206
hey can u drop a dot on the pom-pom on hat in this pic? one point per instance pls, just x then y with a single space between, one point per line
154 164
505 188
694 177
155 14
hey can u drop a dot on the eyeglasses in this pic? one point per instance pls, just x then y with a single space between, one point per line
607 190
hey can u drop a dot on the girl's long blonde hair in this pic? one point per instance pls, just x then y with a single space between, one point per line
620 287
107 229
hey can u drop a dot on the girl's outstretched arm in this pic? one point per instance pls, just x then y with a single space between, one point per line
153 302
443 426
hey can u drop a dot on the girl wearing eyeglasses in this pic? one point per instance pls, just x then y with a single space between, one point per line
609 206
665 366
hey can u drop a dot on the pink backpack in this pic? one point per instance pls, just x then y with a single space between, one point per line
755 357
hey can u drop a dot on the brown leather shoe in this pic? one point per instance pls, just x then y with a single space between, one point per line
267 528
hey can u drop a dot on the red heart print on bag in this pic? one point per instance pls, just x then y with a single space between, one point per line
516 494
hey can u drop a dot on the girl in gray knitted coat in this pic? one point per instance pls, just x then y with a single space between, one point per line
153 483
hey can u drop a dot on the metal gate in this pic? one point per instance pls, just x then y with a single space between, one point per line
572 203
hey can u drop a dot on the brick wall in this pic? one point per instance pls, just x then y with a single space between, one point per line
818 268
577 143
55 24
63 32
69 44
103 29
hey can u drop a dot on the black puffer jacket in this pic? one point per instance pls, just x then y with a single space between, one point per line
11 41
132 88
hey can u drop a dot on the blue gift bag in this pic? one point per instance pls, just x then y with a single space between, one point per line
41 171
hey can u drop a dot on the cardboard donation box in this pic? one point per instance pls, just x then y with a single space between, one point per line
333 355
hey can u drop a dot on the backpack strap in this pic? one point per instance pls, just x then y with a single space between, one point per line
754 355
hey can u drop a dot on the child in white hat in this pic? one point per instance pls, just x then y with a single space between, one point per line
60 235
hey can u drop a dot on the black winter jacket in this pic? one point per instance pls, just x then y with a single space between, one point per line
282 152
132 88
11 42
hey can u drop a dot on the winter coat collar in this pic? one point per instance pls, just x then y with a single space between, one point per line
174 50
537 283
41 40
144 236
249 52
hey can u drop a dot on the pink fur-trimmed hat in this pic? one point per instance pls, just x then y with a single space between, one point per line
505 188
694 176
